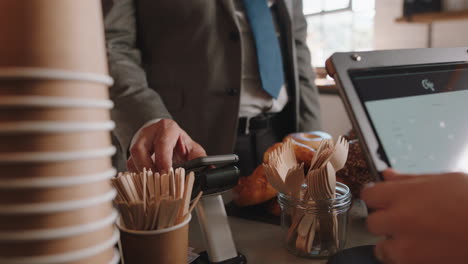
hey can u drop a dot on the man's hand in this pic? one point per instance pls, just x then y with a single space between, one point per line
424 217
168 142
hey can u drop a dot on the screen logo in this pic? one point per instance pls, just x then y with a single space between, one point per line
428 85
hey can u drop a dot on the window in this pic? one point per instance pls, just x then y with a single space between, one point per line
338 25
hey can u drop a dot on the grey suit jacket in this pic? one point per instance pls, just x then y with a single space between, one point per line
182 59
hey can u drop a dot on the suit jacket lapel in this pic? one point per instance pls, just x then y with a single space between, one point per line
285 13
289 6
229 5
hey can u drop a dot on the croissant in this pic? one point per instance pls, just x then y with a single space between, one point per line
253 189
256 189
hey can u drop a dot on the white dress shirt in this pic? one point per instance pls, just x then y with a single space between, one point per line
253 99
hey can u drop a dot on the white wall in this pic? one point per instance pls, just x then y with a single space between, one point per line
391 35
334 118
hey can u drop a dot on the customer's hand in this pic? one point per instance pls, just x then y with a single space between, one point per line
168 142
424 217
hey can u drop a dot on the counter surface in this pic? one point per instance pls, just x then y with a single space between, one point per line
262 243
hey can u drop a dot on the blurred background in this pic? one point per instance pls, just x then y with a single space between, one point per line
359 25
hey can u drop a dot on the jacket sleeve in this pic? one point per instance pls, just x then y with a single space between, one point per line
134 102
309 106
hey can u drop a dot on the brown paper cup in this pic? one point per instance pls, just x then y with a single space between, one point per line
55 246
104 253
107 257
59 88
57 233
54 142
60 219
55 169
168 246
60 34
55 182
57 114
27 158
55 194
25 102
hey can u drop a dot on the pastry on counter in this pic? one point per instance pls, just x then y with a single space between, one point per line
273 207
311 139
253 189
355 173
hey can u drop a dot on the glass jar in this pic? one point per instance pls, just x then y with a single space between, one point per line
315 229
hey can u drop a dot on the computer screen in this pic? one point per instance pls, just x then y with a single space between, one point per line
419 114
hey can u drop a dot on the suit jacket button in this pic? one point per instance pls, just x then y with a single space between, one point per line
234 36
233 92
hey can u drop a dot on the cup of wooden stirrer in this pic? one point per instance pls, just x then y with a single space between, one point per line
155 212
167 245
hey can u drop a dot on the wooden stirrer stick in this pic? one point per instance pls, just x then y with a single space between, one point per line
194 203
172 184
189 181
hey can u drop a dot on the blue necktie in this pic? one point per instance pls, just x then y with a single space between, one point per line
270 63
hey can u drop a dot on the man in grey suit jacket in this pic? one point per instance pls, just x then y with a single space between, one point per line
190 68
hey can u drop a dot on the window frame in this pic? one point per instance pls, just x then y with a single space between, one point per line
339 10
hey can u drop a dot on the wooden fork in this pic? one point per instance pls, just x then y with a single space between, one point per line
340 154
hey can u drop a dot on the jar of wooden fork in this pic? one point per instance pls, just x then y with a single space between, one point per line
315 228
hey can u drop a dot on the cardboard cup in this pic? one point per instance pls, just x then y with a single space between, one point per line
109 256
168 246
74 141
55 169
104 253
55 246
53 207
54 126
44 73
56 182
51 102
106 257
59 88
56 194
57 233
65 34
62 219
54 156
53 114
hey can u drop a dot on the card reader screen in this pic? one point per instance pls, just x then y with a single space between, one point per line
419 114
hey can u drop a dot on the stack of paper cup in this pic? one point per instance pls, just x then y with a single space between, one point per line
55 166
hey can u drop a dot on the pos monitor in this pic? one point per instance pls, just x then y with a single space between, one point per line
408 107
